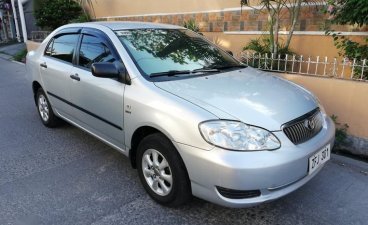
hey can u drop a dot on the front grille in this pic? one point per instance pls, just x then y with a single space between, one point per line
305 127
238 194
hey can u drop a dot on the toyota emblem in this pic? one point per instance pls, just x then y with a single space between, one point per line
309 124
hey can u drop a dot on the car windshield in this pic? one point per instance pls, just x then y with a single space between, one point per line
173 51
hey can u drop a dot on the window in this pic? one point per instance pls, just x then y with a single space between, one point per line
93 50
162 50
62 47
49 48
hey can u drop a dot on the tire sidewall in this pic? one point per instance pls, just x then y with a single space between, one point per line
52 121
168 151
39 93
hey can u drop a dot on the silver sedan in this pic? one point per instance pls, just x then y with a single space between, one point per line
192 119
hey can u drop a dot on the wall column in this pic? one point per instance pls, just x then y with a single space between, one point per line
15 21
22 20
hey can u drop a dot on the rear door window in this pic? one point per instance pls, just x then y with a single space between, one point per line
63 47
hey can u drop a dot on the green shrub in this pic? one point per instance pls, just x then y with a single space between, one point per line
341 131
20 56
51 14
81 19
351 12
352 50
261 47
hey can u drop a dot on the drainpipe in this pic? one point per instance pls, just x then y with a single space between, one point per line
22 20
15 20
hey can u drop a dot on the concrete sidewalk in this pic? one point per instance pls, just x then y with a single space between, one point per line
8 51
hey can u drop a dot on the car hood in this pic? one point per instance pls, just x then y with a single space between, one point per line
251 96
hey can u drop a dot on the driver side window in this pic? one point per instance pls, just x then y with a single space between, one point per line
93 50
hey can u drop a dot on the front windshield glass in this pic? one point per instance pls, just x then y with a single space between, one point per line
162 50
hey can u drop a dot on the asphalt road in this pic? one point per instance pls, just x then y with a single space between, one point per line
65 176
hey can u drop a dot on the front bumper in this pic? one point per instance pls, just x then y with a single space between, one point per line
275 173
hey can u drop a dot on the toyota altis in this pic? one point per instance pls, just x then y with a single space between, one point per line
191 118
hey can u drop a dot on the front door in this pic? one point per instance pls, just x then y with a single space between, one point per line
98 102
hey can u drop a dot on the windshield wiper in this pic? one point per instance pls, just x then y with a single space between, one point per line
228 67
176 72
169 73
205 70
201 70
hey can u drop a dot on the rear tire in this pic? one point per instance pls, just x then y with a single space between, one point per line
45 110
162 171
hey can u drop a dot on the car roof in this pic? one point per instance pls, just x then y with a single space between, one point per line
127 25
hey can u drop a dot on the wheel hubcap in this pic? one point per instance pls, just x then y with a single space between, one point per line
43 108
157 172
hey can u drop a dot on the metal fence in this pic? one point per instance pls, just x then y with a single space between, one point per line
317 66
39 36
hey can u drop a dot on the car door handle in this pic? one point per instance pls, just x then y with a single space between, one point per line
75 77
44 65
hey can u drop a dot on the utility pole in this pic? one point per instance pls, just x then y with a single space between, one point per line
22 20
15 17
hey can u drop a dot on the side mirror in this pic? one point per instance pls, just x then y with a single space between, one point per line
105 70
230 52
111 70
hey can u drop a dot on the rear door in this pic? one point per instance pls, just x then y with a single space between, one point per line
56 66
98 101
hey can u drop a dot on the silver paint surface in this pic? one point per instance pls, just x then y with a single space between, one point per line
176 107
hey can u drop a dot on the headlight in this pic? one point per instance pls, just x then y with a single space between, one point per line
234 135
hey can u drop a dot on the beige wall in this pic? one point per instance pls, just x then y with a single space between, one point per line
307 45
343 98
104 8
153 10
31 45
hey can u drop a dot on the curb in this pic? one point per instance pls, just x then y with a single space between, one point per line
5 56
20 63
355 145
10 58
358 166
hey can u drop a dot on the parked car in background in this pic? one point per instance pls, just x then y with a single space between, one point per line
192 119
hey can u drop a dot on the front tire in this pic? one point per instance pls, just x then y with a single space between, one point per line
162 171
45 111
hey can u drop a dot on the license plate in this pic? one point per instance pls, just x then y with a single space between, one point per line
318 159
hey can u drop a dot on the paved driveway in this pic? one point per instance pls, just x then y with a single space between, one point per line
65 176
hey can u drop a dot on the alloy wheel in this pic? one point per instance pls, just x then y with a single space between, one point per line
157 172
43 108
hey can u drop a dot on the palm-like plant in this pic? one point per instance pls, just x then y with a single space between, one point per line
274 10
88 3
191 25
